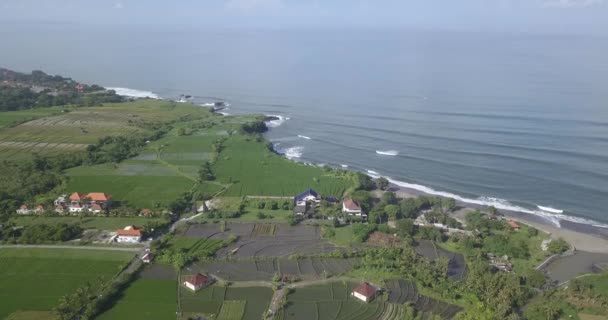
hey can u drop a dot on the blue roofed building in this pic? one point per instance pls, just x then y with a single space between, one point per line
305 202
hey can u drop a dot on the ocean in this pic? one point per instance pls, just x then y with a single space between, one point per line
517 121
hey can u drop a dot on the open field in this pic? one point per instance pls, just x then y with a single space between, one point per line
221 302
268 240
35 279
100 223
334 301
265 269
256 171
146 298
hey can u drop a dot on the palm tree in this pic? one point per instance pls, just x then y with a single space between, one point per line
551 310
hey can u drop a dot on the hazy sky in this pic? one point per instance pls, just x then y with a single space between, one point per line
534 16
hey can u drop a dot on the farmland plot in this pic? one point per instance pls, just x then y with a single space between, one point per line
60 271
227 303
328 302
457 267
265 269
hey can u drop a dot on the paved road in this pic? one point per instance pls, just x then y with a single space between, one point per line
70 247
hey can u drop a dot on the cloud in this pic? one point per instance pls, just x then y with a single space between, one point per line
118 5
573 3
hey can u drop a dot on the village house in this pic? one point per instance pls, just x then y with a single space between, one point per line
365 292
305 203
77 197
39 209
100 198
500 263
308 196
130 234
60 208
351 207
145 212
76 208
95 208
513 225
24 210
61 200
197 281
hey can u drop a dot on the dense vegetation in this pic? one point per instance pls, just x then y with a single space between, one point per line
38 90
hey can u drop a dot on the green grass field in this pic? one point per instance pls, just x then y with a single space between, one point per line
35 279
216 301
255 171
145 299
195 246
100 223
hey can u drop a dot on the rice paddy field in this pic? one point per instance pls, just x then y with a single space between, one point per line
219 302
53 131
99 223
33 280
334 301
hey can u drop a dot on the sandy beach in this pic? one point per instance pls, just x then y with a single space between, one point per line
582 237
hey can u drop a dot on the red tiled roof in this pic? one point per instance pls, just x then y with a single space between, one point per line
76 196
98 196
131 231
366 290
23 206
39 207
197 279
351 204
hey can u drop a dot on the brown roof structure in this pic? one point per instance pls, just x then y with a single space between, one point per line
98 196
351 204
366 290
197 279
77 196
130 231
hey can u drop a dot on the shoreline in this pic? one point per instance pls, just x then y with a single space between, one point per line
582 237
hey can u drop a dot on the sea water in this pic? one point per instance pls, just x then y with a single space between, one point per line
518 121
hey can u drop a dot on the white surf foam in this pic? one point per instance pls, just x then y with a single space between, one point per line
134 93
275 123
207 104
388 152
304 137
344 166
224 113
549 209
293 152
553 217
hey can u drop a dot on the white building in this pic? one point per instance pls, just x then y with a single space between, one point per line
351 207
197 281
129 234
24 210
365 292
76 208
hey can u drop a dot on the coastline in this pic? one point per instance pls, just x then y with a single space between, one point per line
581 236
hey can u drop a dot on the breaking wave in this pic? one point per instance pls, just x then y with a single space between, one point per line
550 214
134 93
277 122
304 137
293 152
388 152
549 209
344 166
